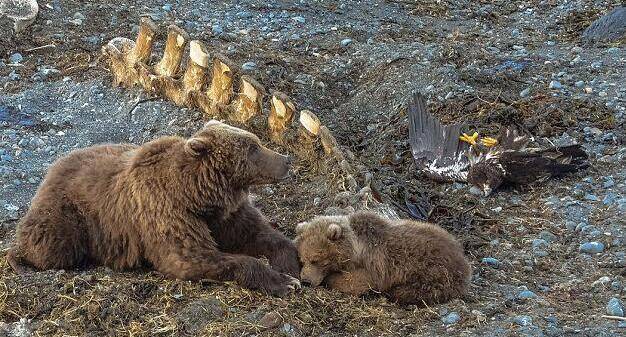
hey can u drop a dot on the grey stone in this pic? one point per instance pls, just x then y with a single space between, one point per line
476 191
526 294
16 58
593 247
540 244
167 7
523 320
248 66
608 199
451 318
491 261
615 307
299 19
549 237
525 92
555 85
217 29
13 76
608 182
346 42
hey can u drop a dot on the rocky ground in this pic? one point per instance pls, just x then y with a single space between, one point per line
548 259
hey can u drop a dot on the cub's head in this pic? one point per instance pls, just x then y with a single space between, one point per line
237 155
324 247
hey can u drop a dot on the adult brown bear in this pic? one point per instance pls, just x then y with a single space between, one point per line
179 205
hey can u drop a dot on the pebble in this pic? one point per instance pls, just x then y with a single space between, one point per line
591 197
299 19
346 42
6 157
523 320
167 7
271 320
549 237
287 329
608 182
613 50
451 318
526 294
615 307
601 281
11 207
525 92
555 85
592 247
491 261
616 285
577 50
217 29
16 58
476 191
540 244
608 199
579 84
93 40
248 66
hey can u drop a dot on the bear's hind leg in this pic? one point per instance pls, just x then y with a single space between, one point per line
52 237
420 295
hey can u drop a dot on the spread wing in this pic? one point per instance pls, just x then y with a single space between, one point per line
436 148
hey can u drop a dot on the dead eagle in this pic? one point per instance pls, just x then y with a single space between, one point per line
446 155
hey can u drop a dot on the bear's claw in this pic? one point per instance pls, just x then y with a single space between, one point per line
294 283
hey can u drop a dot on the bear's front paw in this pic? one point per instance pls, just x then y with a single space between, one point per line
282 285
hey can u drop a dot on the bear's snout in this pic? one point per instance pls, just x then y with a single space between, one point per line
311 276
270 166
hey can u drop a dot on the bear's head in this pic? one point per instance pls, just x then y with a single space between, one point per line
324 246
236 155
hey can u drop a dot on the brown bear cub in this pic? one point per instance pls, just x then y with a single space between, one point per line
410 262
180 206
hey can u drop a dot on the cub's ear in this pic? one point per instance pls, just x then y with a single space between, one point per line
301 227
196 146
334 232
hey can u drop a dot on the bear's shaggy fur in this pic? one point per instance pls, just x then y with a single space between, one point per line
410 262
178 205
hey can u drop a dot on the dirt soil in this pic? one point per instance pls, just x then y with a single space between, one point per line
354 63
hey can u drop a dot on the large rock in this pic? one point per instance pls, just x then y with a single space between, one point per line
609 28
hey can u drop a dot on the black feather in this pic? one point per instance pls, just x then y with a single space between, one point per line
432 142
528 166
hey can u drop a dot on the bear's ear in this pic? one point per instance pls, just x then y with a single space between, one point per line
334 232
196 146
300 227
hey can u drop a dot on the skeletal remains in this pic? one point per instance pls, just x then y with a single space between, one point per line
216 97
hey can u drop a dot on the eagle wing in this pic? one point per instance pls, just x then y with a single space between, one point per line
527 166
436 148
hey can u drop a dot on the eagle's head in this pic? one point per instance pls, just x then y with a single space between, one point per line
486 175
